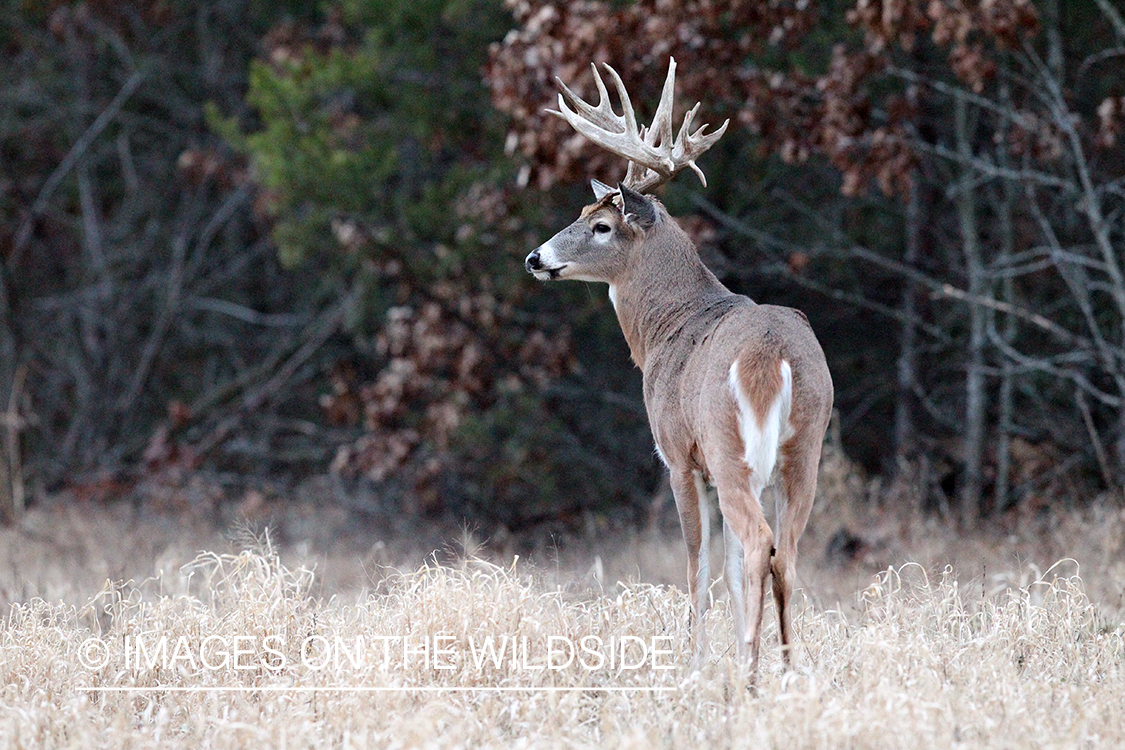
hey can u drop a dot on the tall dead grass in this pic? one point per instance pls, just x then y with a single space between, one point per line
923 663
915 637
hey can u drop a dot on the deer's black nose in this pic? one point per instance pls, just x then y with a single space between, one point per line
533 263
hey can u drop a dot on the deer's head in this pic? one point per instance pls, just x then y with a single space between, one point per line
596 247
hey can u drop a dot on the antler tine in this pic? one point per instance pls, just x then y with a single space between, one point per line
626 105
603 95
654 157
698 142
689 146
618 134
609 134
662 121
603 114
636 175
684 135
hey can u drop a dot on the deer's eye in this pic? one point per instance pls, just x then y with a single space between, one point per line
602 228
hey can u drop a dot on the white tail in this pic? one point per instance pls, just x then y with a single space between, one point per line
762 434
733 389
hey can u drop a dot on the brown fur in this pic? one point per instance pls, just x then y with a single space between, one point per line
684 330
759 369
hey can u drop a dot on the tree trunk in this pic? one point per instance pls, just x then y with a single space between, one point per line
908 351
11 479
905 436
1007 294
1120 443
975 397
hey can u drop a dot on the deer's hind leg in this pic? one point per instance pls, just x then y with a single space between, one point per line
800 460
732 574
739 494
695 522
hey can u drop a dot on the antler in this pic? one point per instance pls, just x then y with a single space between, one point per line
653 156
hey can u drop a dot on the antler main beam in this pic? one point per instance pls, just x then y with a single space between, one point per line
654 157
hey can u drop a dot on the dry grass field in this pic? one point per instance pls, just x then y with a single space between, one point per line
119 633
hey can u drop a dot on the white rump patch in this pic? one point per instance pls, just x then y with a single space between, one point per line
762 443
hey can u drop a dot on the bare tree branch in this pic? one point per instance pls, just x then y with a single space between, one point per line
1114 17
23 234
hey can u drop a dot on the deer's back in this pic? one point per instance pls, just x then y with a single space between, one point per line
687 384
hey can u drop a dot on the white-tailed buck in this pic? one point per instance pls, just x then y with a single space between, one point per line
733 389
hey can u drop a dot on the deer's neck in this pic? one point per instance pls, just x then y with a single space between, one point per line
664 285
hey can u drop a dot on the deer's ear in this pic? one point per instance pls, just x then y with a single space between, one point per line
637 208
601 189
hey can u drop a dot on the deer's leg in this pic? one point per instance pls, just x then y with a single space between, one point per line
695 522
738 499
732 549
798 481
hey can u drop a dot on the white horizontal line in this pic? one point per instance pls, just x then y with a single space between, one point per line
374 689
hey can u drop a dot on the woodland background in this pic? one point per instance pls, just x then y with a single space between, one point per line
250 244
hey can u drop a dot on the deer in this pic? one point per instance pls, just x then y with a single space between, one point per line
734 391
